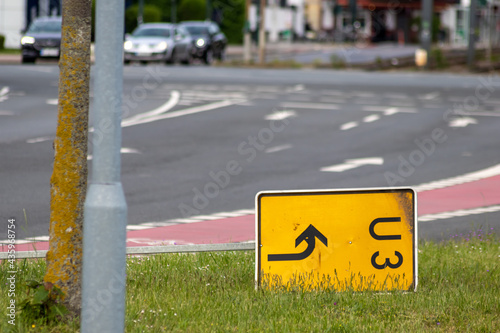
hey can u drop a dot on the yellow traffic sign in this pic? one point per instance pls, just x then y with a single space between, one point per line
361 239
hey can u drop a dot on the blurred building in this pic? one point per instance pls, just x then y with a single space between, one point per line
16 15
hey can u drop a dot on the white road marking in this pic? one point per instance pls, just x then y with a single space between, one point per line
429 96
40 139
457 213
277 148
4 93
320 106
280 115
480 113
468 177
185 112
349 125
353 163
462 122
298 87
123 150
377 108
174 99
38 239
52 101
391 111
371 118
396 96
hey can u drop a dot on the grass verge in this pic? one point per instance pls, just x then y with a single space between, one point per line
459 290
10 51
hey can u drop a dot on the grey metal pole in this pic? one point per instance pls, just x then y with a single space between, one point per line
140 13
262 32
105 212
247 38
173 11
471 51
426 33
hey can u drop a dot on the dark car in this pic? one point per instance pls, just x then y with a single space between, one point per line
209 41
42 39
158 42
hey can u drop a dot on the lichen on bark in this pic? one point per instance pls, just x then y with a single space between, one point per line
69 176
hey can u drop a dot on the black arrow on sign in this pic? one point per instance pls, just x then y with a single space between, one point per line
309 235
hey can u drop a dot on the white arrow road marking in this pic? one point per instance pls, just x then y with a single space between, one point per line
280 115
277 148
351 164
180 113
462 122
349 125
174 99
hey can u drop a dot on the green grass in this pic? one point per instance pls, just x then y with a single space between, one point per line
10 51
458 291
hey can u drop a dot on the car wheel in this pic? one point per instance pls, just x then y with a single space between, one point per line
188 60
173 57
209 57
222 54
28 60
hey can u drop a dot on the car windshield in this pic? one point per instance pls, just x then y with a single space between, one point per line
151 32
45 26
197 30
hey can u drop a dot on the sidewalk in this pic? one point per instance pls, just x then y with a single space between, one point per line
235 51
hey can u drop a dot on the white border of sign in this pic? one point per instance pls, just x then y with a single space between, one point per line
415 237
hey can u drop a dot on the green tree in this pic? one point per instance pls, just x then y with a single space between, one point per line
191 10
233 18
68 184
151 14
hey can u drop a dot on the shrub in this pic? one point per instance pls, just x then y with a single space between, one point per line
151 14
2 42
191 10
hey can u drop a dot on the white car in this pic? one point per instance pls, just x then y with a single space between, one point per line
162 42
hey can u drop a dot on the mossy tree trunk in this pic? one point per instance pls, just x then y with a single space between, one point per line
69 176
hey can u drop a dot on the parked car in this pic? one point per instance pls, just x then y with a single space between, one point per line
210 42
42 39
158 42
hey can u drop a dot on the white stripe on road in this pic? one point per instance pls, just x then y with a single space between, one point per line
468 177
277 148
174 99
280 115
319 106
371 118
349 125
185 112
458 213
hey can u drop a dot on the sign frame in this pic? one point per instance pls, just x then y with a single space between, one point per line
284 193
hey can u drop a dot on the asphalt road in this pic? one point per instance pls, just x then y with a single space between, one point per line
251 130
